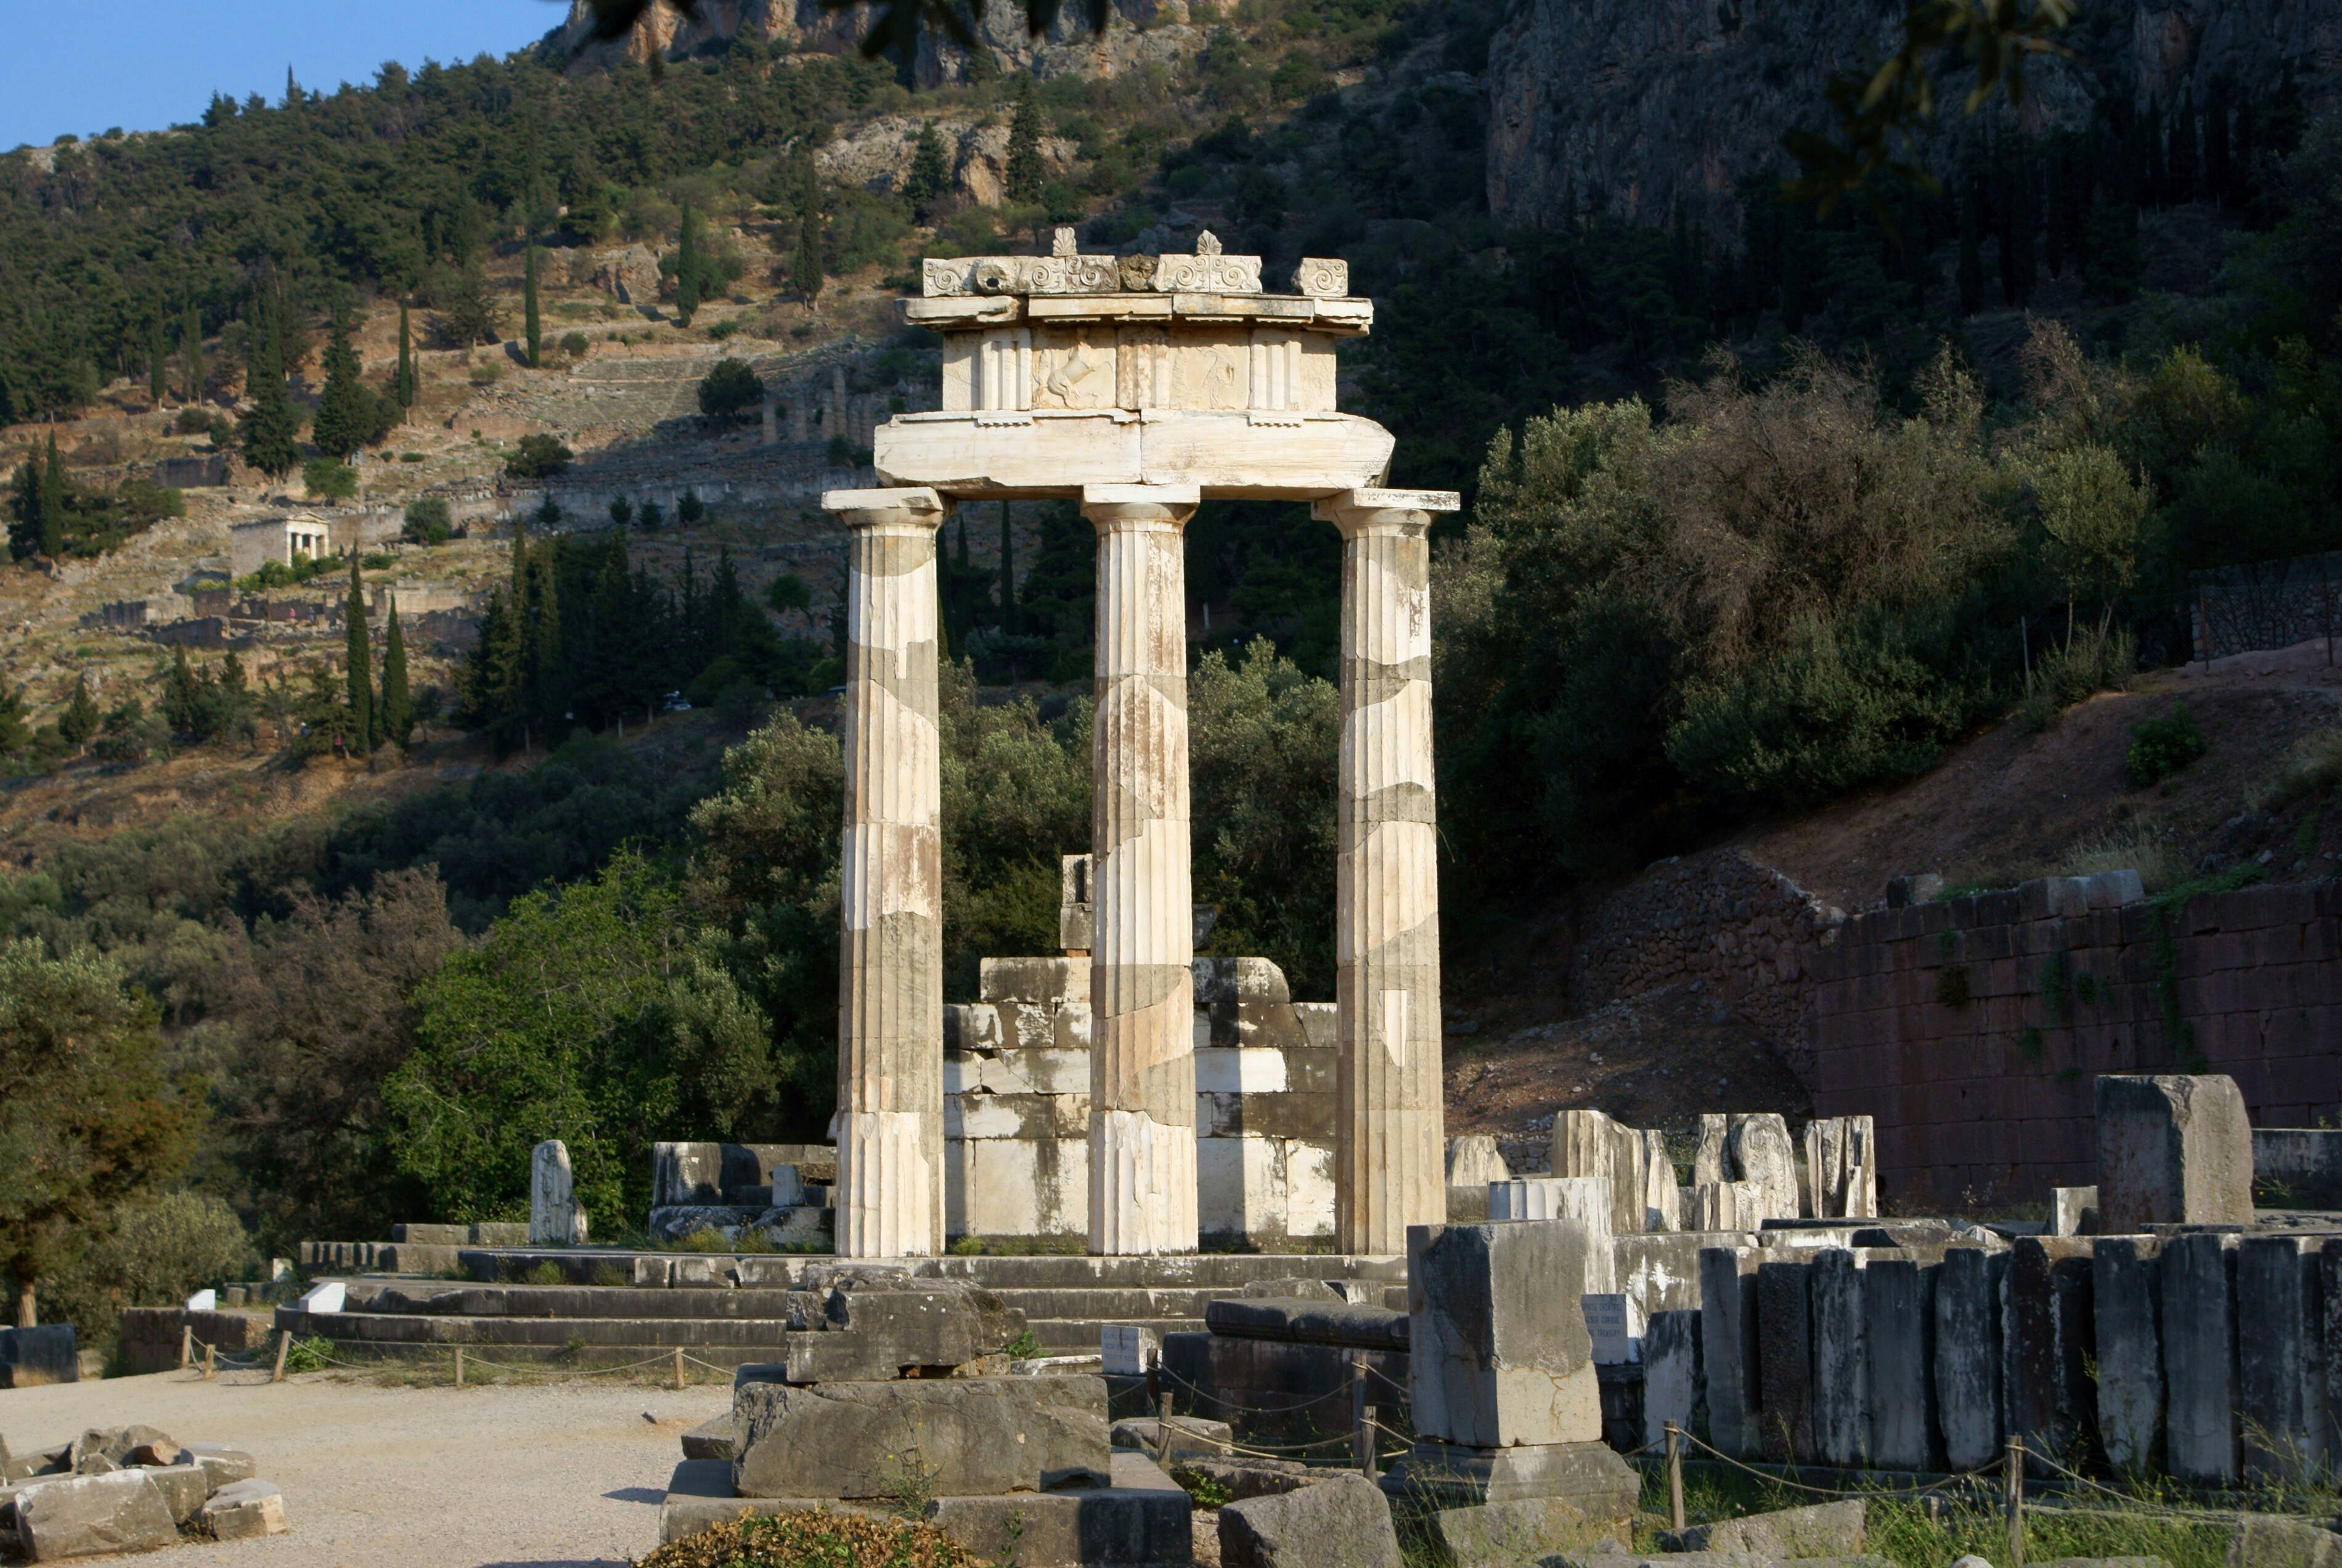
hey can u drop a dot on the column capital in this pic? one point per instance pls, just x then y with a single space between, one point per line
1140 505
915 506
1355 511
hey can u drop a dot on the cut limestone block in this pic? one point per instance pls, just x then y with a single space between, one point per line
1142 1519
1500 1353
1728 1345
2278 1540
1841 1359
2280 1362
874 1330
699 1493
947 1436
1588 1475
2048 1341
2199 1357
2073 1210
1822 1529
2172 1150
1671 1374
1969 1355
1341 1523
711 1438
556 1217
1784 1361
1507 1534
36 1357
2127 1311
243 1508
184 1488
222 1466
81 1517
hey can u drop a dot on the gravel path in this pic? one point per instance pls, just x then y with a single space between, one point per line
559 1475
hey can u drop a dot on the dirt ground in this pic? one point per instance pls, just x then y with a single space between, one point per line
562 1475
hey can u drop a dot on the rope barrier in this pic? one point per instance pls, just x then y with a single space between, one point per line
1962 1479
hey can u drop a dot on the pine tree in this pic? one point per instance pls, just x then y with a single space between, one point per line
2220 177
405 382
15 733
930 173
191 353
530 333
24 523
345 415
1027 174
2184 155
1007 576
805 264
2156 174
80 719
182 694
397 706
687 269
157 361
52 503
268 430
360 661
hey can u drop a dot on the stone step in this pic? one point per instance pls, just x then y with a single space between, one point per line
1126 1304
1229 1271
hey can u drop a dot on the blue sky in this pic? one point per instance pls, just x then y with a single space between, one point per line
85 65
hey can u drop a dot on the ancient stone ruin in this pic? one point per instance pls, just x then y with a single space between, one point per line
130 1489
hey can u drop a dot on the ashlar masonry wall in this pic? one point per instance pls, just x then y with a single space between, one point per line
1971 1029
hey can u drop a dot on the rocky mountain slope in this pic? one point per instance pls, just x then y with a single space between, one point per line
1648 108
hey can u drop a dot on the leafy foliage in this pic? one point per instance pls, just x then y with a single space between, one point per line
2162 745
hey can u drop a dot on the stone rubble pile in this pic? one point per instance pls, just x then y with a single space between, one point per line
895 1394
130 1489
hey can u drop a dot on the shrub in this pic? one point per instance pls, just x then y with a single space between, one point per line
728 387
812 1539
537 457
2162 745
329 479
191 421
151 1254
2313 767
377 561
428 521
2092 661
574 344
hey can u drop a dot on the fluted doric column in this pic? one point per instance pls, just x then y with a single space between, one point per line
1142 999
1389 1134
890 987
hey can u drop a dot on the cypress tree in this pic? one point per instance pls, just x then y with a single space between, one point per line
397 706
2219 178
2156 176
405 382
361 660
24 527
1007 576
529 327
191 353
180 693
79 722
345 415
157 359
930 173
686 272
2184 156
1025 173
805 264
52 503
268 429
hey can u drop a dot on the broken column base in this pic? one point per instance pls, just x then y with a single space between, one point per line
1141 1520
1588 1475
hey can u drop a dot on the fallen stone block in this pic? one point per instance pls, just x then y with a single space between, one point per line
124 1445
54 1461
83 1516
1821 1530
184 1488
1238 1479
1341 1523
1119 1524
1191 1435
873 1329
36 1357
1507 1534
710 1440
244 1509
2101 1562
2276 1541
2172 1150
943 1436
223 1466
699 1493
1500 1353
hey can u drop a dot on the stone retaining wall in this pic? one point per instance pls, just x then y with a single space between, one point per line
1972 1029
1748 934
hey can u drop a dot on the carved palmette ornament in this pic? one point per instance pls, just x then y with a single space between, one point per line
1208 271
1322 278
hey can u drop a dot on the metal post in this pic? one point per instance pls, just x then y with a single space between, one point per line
459 1366
1674 1477
284 1344
2015 1503
678 1366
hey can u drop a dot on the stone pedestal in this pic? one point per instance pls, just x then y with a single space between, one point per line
2173 1149
1142 1190
890 1127
1389 1135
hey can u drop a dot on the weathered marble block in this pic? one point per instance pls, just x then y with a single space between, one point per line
2172 1150
1500 1353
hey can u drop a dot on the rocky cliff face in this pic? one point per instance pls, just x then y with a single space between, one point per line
1645 108
1068 48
